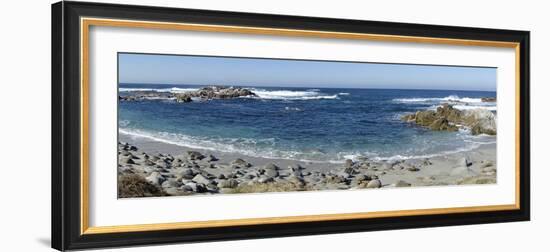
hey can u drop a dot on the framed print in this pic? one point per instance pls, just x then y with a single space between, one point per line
180 125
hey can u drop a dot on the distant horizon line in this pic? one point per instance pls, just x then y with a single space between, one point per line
139 83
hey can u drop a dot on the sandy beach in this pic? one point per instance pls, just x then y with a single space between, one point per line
178 170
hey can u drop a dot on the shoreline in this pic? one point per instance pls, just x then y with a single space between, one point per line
218 172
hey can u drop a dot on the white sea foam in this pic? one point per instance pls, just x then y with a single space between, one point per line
223 145
246 147
292 109
311 94
470 107
343 93
451 98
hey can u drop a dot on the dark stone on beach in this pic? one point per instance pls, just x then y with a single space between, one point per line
334 179
195 155
464 162
195 187
348 163
427 162
211 158
170 183
155 178
271 173
265 179
128 161
241 163
402 183
295 167
271 166
296 180
229 183
413 169
199 178
133 148
350 170
374 184
362 177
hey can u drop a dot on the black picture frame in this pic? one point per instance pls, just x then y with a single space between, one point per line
66 114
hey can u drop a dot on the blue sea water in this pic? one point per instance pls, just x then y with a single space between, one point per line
325 124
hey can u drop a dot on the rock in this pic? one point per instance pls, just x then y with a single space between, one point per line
265 179
194 187
413 169
271 173
271 166
128 161
172 190
295 167
348 163
133 148
426 162
229 183
374 184
241 163
464 161
211 158
297 174
170 183
488 99
362 177
183 98
187 173
195 155
334 179
296 180
155 178
442 124
218 92
350 171
401 183
200 179
344 175
480 121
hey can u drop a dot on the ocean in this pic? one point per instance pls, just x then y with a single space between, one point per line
315 125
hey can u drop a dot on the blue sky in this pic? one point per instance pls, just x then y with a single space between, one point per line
197 70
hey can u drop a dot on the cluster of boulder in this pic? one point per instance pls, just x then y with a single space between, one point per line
447 118
205 93
214 92
194 172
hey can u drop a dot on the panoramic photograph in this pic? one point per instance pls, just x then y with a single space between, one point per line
210 125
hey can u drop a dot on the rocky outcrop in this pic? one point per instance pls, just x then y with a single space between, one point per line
205 93
447 118
489 99
220 92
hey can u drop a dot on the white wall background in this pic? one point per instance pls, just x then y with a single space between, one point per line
25 124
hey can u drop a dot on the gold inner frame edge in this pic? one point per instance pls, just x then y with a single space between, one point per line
85 24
